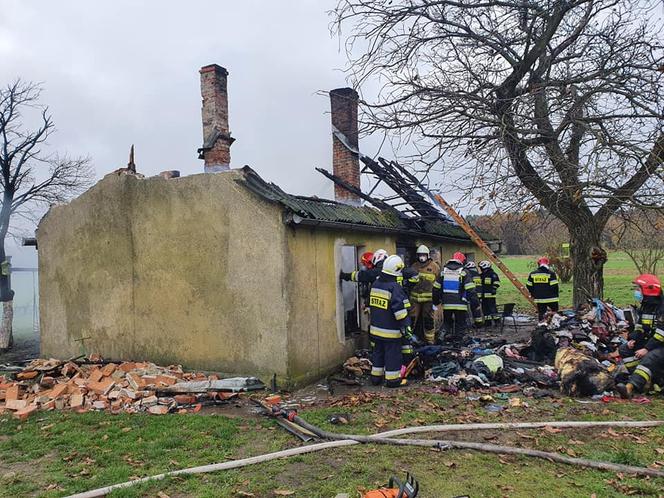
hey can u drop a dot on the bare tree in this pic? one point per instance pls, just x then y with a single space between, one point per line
30 178
524 103
640 233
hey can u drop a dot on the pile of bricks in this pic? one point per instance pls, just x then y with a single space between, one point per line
128 387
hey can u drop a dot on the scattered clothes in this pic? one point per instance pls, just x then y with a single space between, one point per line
444 370
581 375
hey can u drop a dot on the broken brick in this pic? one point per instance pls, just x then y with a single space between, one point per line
150 401
99 405
158 410
12 393
57 391
185 399
95 375
108 369
102 387
27 375
167 380
26 412
76 400
16 404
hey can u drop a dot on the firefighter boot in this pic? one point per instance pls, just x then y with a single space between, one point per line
626 391
430 336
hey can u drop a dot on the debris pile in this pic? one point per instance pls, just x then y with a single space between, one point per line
575 352
129 387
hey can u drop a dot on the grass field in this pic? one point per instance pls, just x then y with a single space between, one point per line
56 454
619 272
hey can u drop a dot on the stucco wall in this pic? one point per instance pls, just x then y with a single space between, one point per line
197 271
315 328
187 270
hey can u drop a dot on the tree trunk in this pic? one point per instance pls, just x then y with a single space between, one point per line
588 260
6 326
6 296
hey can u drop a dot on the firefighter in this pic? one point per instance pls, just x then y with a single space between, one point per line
421 312
648 293
475 306
389 318
367 275
488 290
453 288
543 287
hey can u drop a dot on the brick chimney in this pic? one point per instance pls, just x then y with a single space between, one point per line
217 140
345 162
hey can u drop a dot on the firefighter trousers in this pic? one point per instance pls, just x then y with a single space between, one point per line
421 316
455 323
650 371
490 310
542 308
386 361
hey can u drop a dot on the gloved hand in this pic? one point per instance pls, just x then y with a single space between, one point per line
345 276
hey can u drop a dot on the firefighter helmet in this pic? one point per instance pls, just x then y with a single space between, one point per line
650 285
485 265
471 265
423 250
543 261
459 257
366 259
379 256
393 266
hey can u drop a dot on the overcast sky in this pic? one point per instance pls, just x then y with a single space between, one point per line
121 72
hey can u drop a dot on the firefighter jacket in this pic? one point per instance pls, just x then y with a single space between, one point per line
647 316
477 279
655 335
454 287
389 313
490 283
367 276
422 292
409 279
543 285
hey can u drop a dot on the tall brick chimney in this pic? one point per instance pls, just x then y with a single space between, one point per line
345 163
217 140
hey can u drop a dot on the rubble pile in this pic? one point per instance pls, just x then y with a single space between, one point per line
571 351
129 387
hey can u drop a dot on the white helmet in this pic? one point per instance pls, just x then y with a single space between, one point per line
423 250
471 265
485 265
393 266
379 256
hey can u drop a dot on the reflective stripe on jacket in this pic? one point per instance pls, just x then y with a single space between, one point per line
543 285
388 304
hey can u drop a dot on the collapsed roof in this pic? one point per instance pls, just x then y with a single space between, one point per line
313 211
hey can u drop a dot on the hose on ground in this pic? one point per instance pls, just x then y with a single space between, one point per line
340 440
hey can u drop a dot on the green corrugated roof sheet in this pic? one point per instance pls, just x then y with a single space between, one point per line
323 210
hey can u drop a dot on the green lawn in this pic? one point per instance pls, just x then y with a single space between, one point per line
619 272
55 454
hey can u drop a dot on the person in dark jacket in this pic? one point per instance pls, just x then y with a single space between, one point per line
543 287
454 288
389 321
475 307
487 292
367 275
643 338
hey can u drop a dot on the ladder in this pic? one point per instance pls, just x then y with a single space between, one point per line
409 178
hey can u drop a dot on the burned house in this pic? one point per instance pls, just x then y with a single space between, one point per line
222 270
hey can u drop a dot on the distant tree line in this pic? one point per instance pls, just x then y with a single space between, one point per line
637 232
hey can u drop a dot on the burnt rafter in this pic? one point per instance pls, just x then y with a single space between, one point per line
407 187
380 204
